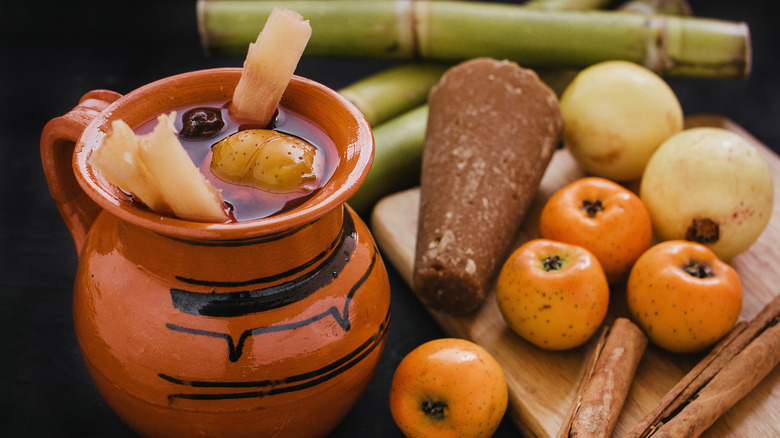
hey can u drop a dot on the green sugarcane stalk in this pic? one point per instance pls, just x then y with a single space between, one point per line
398 89
394 91
397 158
454 31
399 142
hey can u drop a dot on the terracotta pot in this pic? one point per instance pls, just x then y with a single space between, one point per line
272 327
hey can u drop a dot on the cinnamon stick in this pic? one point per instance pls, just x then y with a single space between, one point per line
731 370
603 389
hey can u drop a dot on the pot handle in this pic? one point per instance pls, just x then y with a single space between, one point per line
58 141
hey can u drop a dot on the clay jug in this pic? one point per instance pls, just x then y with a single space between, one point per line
270 327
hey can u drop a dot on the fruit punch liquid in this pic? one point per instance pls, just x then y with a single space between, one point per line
202 127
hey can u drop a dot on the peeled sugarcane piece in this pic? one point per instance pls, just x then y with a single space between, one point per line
492 129
453 31
391 92
186 191
269 65
156 170
118 161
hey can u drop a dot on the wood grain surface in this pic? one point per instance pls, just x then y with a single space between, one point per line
542 384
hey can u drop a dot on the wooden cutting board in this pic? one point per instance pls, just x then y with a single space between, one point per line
542 384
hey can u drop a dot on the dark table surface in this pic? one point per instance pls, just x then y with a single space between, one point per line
54 52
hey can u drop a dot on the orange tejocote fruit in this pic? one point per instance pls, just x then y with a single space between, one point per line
683 296
603 217
448 388
553 294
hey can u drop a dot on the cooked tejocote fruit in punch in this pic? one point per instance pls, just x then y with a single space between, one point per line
267 160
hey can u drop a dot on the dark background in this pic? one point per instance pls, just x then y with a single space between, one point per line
52 53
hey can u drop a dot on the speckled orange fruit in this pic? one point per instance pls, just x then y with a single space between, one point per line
683 296
602 216
448 388
553 294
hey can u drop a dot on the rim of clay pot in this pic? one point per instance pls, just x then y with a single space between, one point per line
338 117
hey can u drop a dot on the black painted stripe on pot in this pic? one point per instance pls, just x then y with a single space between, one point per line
345 360
235 349
284 385
239 242
347 228
283 389
242 242
240 303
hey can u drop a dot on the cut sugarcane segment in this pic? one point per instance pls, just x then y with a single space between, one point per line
269 65
119 163
184 188
447 31
156 170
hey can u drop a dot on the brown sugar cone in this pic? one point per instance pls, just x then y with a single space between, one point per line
492 129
